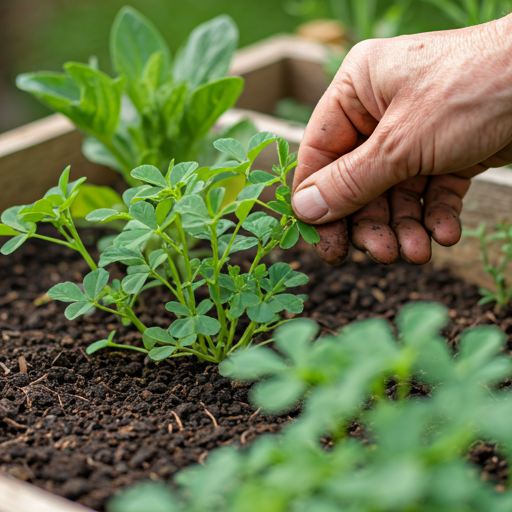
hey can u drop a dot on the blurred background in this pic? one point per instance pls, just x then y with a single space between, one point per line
43 34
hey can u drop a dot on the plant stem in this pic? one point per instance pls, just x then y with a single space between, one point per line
80 246
220 310
131 315
247 336
184 248
129 347
55 241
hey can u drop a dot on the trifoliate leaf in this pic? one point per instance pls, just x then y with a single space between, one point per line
149 174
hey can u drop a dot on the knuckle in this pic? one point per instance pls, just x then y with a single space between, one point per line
344 178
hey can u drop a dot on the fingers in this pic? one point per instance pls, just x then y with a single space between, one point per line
372 234
443 205
334 242
406 220
349 183
328 136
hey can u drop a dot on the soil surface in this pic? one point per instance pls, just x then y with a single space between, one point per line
86 426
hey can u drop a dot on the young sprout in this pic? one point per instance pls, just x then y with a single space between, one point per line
498 270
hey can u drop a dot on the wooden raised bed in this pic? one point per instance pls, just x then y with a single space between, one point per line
33 156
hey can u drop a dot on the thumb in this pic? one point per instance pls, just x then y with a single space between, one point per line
349 183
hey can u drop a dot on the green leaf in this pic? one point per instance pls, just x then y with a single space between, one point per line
258 143
206 325
149 174
193 205
177 308
187 341
77 309
251 192
231 147
133 283
281 207
161 353
208 103
182 327
10 218
205 306
252 364
11 245
216 196
262 313
290 237
63 181
241 243
154 335
97 345
94 282
289 302
283 149
91 198
122 254
261 225
260 177
37 211
241 301
132 239
7 231
293 336
156 258
207 53
279 272
145 213
181 172
90 98
104 214
66 292
278 394
134 40
309 233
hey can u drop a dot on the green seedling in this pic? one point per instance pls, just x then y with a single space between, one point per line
187 201
410 453
157 108
498 271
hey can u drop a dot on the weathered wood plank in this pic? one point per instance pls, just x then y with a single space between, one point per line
18 496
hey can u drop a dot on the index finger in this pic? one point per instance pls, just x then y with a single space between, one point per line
329 135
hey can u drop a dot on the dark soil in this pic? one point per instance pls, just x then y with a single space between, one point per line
86 426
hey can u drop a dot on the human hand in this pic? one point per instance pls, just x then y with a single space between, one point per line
395 139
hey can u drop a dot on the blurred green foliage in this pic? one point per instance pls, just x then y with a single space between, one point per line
63 30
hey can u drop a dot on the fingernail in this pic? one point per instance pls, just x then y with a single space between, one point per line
309 204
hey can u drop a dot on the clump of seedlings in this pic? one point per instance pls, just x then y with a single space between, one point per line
187 200
386 424
503 235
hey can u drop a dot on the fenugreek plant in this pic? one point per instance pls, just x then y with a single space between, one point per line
187 200
498 270
411 450
157 108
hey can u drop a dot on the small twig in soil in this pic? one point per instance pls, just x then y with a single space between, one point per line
23 437
23 364
38 380
29 403
57 358
169 428
85 354
178 421
13 423
113 390
243 437
5 369
211 416
54 392
254 414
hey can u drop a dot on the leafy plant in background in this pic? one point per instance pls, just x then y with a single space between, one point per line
157 108
411 451
503 235
465 13
190 200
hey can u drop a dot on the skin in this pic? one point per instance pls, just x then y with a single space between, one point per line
395 140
